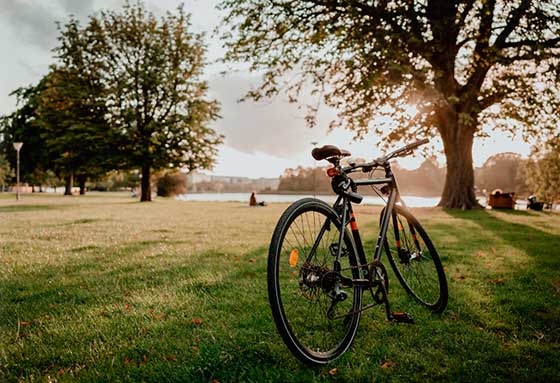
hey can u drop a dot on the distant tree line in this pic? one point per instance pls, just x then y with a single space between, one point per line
539 174
124 93
427 180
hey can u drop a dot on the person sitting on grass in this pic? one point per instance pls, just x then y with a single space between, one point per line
253 200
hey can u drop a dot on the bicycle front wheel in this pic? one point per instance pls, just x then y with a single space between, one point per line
415 261
314 305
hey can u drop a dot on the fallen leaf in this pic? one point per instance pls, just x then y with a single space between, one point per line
556 285
497 281
24 324
458 277
333 371
253 260
144 359
197 321
237 258
493 250
159 316
388 364
127 306
61 372
194 348
171 358
215 381
127 360
481 254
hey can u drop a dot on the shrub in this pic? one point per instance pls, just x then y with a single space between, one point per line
171 184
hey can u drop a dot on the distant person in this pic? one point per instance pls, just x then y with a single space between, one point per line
253 200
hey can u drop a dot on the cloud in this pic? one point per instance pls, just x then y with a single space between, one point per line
274 127
77 8
31 21
34 22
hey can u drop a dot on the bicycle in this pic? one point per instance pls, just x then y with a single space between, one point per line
317 268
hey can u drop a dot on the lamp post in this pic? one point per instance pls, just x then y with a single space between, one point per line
17 147
314 143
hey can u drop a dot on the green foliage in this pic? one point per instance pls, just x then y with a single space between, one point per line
367 59
502 171
117 180
543 171
6 171
171 184
125 93
151 70
23 126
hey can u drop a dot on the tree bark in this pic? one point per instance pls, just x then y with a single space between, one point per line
458 191
82 183
69 184
146 194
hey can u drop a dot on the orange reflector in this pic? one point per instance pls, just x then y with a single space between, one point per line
400 226
294 257
353 223
332 172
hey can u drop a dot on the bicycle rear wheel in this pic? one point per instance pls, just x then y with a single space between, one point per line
415 261
316 314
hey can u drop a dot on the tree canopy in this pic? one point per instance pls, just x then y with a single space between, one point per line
125 92
151 70
543 171
466 65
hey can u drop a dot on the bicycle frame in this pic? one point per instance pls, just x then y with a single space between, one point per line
348 212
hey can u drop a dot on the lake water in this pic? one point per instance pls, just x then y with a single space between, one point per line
244 197
410 201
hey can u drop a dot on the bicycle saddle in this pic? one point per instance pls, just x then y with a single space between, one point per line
327 151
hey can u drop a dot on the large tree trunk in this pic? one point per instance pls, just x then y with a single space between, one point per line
146 194
69 184
458 191
82 183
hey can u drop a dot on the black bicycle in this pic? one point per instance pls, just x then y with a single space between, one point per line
317 267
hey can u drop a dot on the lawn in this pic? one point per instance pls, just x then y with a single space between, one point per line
104 288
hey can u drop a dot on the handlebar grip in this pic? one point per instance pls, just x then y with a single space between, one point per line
416 144
354 197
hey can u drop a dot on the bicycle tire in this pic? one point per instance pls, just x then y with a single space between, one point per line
420 273
297 309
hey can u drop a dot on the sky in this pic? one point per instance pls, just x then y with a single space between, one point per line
261 139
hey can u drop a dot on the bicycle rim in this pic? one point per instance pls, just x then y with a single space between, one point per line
301 283
415 261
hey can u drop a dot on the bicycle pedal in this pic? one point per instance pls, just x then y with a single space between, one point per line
401 317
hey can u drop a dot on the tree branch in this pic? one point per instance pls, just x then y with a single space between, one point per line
512 23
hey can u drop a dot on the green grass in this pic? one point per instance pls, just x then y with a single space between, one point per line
103 288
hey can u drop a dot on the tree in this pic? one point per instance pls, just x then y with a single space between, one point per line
5 172
22 126
542 171
73 125
501 171
466 65
151 70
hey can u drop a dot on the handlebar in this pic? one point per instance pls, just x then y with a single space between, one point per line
404 151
